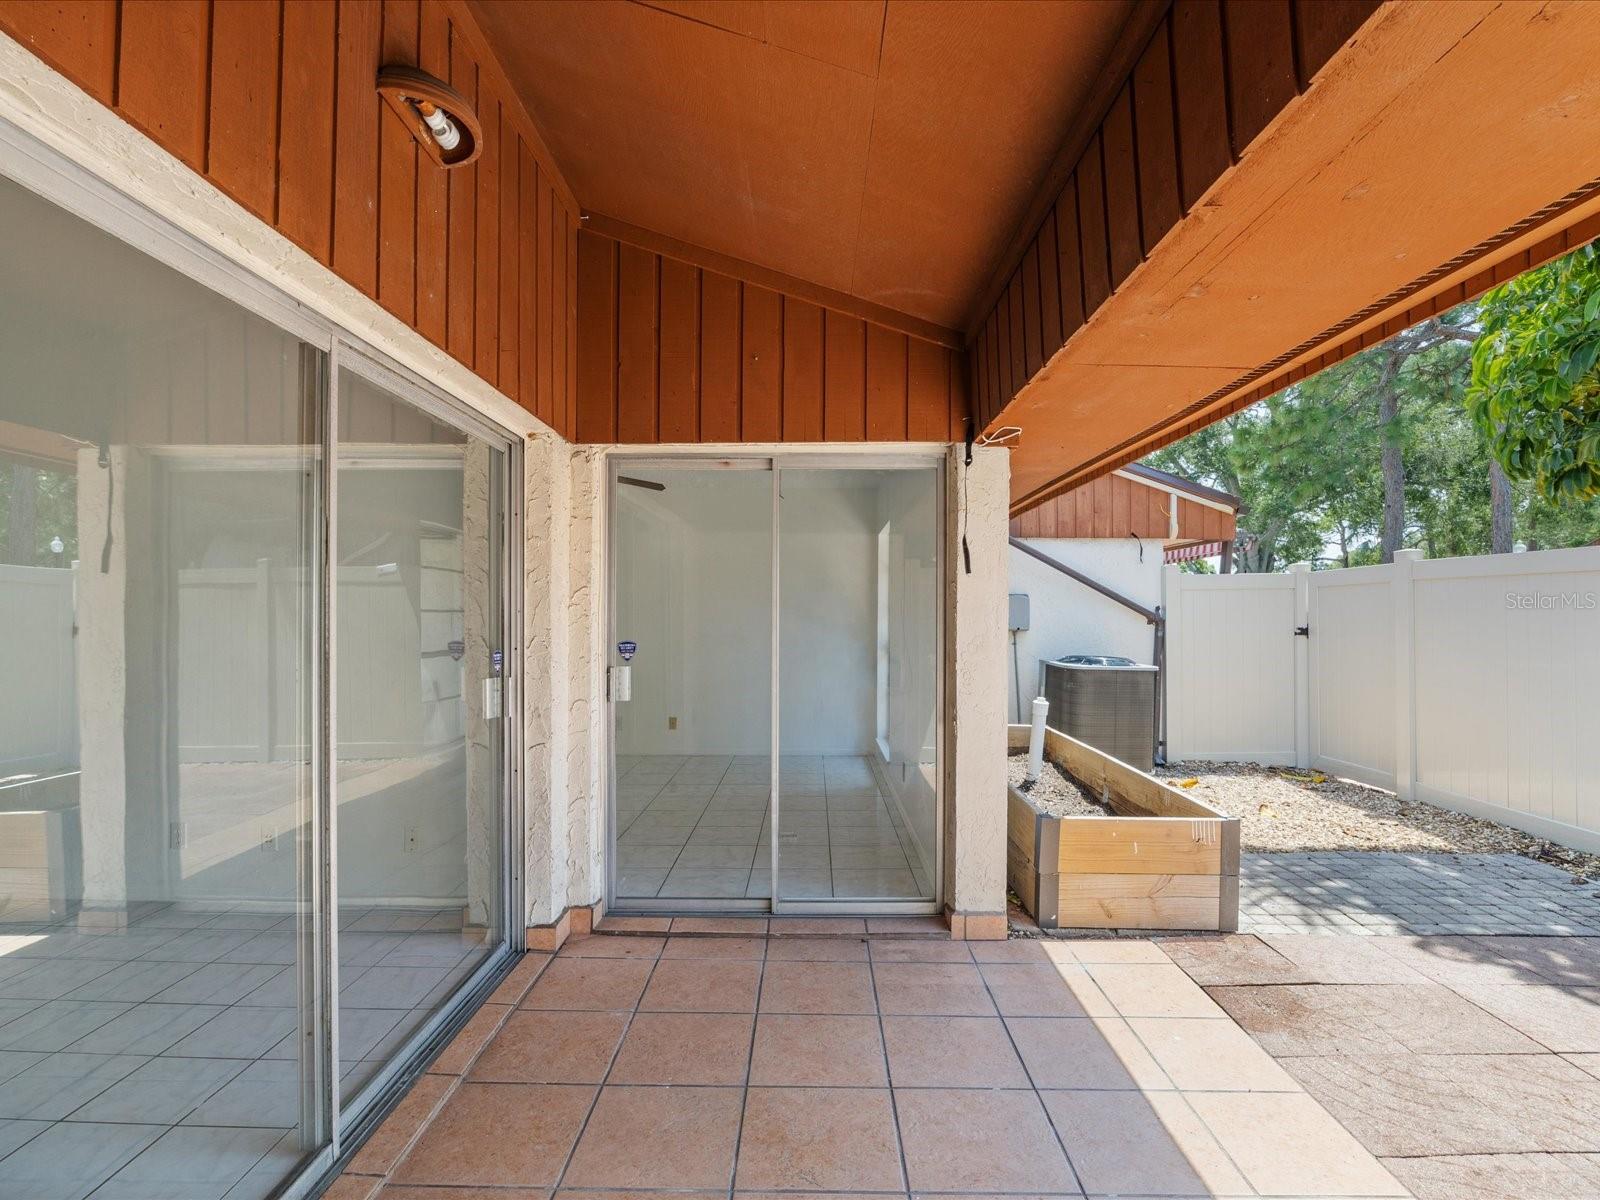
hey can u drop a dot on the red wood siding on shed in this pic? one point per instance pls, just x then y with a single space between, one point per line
275 102
672 352
1114 506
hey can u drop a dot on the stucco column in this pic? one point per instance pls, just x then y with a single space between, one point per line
975 699
118 787
544 522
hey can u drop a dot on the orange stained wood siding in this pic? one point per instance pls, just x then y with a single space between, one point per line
669 351
1115 506
274 102
1212 76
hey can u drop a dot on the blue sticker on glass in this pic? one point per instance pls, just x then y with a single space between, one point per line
627 650
497 660
457 650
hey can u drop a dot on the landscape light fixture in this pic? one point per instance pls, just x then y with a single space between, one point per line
437 115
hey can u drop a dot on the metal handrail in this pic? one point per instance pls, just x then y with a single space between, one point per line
1150 615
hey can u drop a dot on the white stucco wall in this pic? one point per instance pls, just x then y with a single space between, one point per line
1067 618
975 631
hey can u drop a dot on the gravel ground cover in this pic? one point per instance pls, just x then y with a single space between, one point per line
1054 793
1283 809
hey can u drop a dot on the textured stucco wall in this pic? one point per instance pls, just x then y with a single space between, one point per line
975 649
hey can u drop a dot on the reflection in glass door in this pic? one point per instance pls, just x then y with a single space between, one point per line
692 608
419 669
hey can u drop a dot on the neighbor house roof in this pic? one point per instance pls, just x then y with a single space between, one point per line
1135 501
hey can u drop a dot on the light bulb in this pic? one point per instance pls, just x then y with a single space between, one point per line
442 127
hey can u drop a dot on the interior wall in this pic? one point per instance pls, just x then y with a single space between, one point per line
693 588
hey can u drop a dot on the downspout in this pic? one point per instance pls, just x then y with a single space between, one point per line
1154 616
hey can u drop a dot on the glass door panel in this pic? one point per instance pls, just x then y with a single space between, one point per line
692 698
160 515
859 598
418 672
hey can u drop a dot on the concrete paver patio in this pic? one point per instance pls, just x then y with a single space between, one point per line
1469 1065
742 1065
1368 892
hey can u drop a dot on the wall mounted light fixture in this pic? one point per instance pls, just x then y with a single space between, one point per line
438 116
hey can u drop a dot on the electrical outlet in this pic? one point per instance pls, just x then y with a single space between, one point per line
672 722
269 839
411 839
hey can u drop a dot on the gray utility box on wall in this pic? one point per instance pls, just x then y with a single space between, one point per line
1106 701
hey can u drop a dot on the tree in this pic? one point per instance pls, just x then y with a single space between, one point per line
1535 391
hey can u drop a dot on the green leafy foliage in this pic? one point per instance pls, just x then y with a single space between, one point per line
1535 391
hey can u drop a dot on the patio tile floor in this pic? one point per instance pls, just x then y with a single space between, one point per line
1461 1062
894 1078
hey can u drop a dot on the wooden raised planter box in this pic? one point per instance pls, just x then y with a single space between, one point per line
1165 861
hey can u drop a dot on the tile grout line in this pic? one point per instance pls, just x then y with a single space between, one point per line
1050 1120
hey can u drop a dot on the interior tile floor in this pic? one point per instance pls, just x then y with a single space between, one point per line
133 1059
1469 1065
718 1065
700 827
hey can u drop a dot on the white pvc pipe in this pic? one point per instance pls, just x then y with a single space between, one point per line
1041 707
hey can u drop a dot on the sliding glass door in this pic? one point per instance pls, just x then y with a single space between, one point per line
253 772
419 678
774 682
692 684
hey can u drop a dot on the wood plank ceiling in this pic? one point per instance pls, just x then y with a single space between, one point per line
885 151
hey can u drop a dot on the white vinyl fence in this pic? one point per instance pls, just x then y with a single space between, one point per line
1473 683
38 675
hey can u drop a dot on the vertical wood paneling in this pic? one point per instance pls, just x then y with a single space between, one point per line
596 417
1008 384
486 302
1032 318
720 319
1321 27
355 198
886 384
762 365
397 175
1204 151
543 215
433 191
531 303
1122 189
244 102
1092 245
1156 146
163 72
802 371
845 380
305 144
679 368
567 257
77 38
510 258
927 391
1014 333
1259 41
1070 262
636 345
461 262
1049 260
960 397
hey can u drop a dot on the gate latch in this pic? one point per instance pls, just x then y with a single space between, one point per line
1302 631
